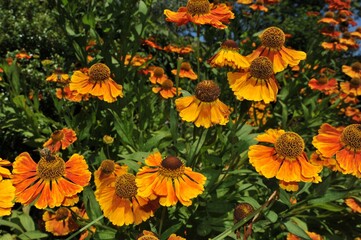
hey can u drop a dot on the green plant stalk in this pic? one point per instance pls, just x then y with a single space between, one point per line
161 221
198 51
85 227
179 63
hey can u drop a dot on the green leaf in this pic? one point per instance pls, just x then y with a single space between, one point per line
91 204
89 19
104 234
11 225
197 145
6 237
272 216
296 230
27 222
33 235
329 197
170 230
154 141
143 8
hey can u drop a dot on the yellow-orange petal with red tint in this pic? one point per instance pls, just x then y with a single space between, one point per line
4 172
353 204
60 139
61 222
289 186
328 141
7 195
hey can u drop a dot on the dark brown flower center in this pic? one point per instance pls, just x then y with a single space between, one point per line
289 145
329 14
50 168
241 211
230 44
261 68
185 66
99 72
355 82
358 29
323 79
198 7
167 84
207 91
259 2
158 72
171 167
107 166
57 136
351 137
356 66
62 214
342 15
273 37
125 186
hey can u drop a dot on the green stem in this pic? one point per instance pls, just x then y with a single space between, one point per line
179 63
85 227
198 51
162 221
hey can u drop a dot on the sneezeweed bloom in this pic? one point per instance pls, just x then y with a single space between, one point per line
312 235
148 235
96 82
349 41
204 108
58 76
328 17
137 60
241 211
344 143
117 195
316 158
258 6
201 12
49 182
4 172
73 96
357 33
157 75
61 222
256 83
228 55
169 180
60 139
7 195
177 49
334 45
273 39
352 87
323 84
353 71
151 43
354 204
186 71
166 89
284 159
23 54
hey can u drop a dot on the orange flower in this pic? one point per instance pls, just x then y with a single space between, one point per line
258 114
60 139
256 83
147 235
201 12
344 143
273 39
335 45
4 172
186 71
157 75
228 55
353 71
136 60
50 181
166 89
58 76
204 108
169 180
179 50
352 87
118 196
69 95
61 222
356 33
329 18
150 42
22 55
312 235
96 82
323 84
259 6
7 195
285 159
353 204
319 160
